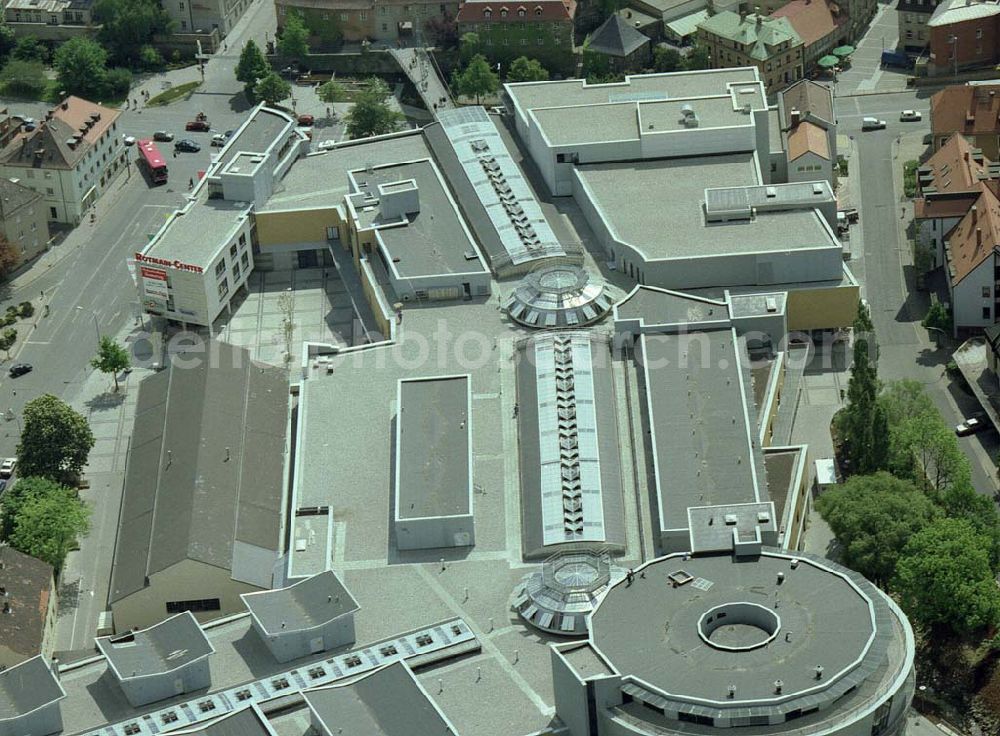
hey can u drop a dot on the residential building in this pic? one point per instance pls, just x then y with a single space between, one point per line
807 127
771 45
962 36
205 16
71 158
540 30
50 20
667 11
201 520
912 17
860 14
24 220
335 21
819 23
682 31
970 110
624 48
28 599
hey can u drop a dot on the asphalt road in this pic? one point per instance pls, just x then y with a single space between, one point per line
886 272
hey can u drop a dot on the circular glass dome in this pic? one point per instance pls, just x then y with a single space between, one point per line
558 296
559 597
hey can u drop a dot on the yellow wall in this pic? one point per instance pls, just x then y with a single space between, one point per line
823 308
296 226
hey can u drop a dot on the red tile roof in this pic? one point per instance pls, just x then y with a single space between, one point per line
805 138
974 238
955 167
537 10
813 20
971 110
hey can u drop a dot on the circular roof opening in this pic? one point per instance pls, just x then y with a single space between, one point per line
558 296
738 626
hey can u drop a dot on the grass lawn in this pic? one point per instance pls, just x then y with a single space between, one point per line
174 93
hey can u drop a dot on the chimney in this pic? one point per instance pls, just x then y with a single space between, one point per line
796 117
975 215
65 105
979 237
760 21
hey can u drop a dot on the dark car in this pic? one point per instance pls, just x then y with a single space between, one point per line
306 120
197 125
163 136
186 145
19 369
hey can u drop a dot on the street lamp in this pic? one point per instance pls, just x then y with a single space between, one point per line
97 327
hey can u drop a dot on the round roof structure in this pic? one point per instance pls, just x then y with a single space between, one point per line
728 641
558 296
559 598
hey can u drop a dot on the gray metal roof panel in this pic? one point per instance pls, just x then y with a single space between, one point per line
26 687
307 604
176 642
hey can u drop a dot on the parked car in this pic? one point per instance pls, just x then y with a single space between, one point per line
129 140
326 145
163 136
872 124
975 423
219 140
928 139
186 145
200 126
229 133
306 119
19 369
910 116
7 467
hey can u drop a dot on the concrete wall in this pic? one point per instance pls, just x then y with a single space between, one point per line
968 301
697 141
297 226
27 230
810 167
822 308
185 581
141 691
570 695
434 532
931 232
295 644
42 722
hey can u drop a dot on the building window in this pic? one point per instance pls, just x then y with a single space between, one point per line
343 16
184 25
383 9
180 5
245 260
50 191
503 12
223 288
986 292
520 12
236 272
232 250
205 604
385 27
979 33
363 15
524 42
220 268
487 13
986 312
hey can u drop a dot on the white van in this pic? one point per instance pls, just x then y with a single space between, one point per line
872 124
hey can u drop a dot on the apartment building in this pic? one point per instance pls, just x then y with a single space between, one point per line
771 45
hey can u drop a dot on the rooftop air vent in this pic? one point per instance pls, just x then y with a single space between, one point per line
771 192
731 519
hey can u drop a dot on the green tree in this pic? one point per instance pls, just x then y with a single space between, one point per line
81 67
55 440
48 525
24 488
111 358
863 319
964 502
294 40
272 89
468 46
24 78
937 318
524 69
944 579
666 59
443 29
7 40
699 58
150 59
872 517
30 49
117 83
371 114
856 422
251 68
477 79
7 339
332 91
129 25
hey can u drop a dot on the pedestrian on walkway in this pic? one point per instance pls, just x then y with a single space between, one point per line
191 183
516 408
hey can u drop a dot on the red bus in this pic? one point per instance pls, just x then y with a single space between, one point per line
152 160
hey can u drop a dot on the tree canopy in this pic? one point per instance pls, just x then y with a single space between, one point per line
293 43
49 522
872 517
111 358
524 69
332 91
14 498
81 66
251 67
937 318
272 89
55 439
477 79
30 49
666 59
443 29
944 578
7 339
128 26
371 114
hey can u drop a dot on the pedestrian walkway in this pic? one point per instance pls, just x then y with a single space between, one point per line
423 72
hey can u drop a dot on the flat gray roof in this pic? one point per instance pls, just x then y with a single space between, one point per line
258 134
701 428
320 179
434 446
676 227
656 306
387 702
712 527
194 234
586 661
824 615
307 604
678 85
435 240
26 687
164 647
185 498
244 722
